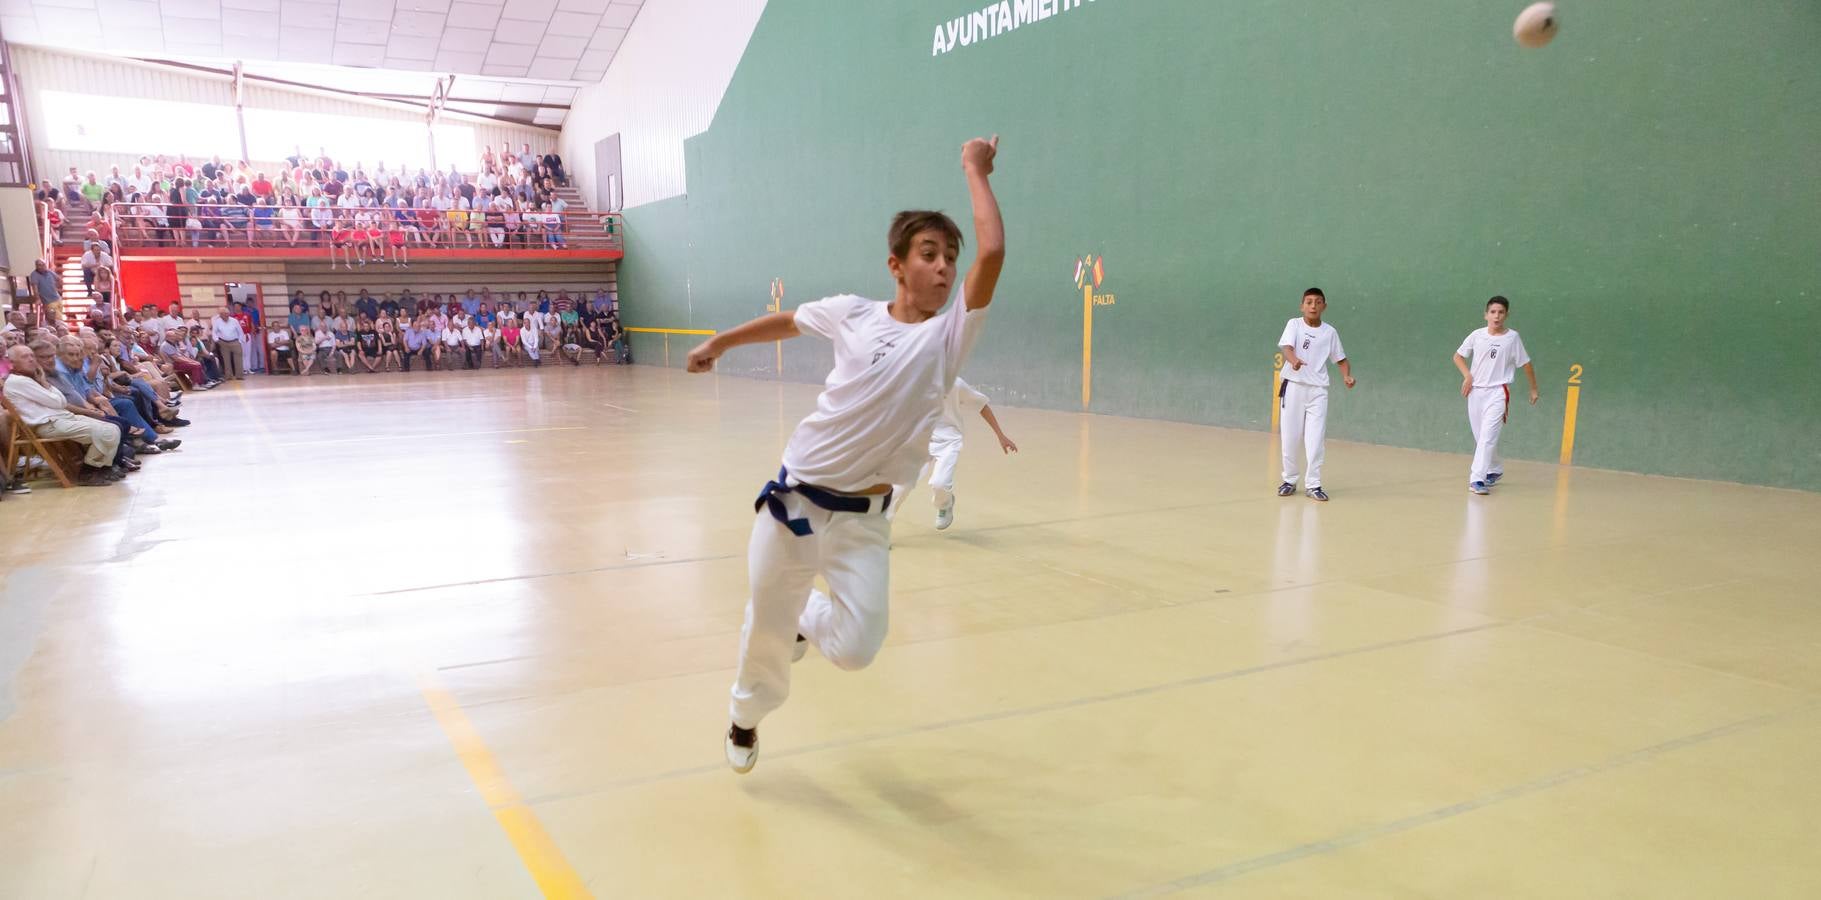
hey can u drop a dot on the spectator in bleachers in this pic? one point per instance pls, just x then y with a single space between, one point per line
327 349
92 190
46 289
70 371
531 338
304 339
44 409
473 336
345 351
281 347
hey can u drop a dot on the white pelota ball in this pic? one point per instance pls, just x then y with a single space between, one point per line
1536 25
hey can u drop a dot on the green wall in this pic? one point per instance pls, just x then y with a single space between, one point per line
1647 190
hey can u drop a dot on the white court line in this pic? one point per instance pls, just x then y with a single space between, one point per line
620 408
417 437
1385 829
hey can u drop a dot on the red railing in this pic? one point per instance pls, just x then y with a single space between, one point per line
370 233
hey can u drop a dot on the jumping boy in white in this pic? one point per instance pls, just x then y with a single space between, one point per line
1496 352
945 452
894 364
1308 344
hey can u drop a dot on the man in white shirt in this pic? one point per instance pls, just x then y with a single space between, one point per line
49 414
1496 352
945 451
228 335
94 256
894 362
1308 344
472 336
531 338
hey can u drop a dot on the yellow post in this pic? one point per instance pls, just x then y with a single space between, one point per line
777 305
1087 344
1277 380
1569 411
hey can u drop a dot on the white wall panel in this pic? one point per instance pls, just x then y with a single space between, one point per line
663 85
42 69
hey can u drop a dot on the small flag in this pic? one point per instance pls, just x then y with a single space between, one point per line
1079 266
1099 272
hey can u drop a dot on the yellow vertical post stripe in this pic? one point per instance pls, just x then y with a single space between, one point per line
1087 345
1569 412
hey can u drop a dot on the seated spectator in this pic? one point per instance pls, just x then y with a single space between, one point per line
279 344
531 338
366 344
68 369
107 354
180 354
305 342
343 333
45 411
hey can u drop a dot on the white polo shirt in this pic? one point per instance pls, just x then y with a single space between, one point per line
884 395
1494 358
1315 346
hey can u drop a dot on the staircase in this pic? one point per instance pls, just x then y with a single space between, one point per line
77 301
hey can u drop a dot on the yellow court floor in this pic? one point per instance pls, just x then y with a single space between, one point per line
469 635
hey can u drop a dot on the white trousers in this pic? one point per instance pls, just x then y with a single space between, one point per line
938 470
1303 425
846 625
1486 408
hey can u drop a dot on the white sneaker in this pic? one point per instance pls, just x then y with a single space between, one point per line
945 516
741 758
800 650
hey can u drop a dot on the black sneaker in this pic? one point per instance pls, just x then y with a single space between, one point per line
1286 489
178 422
1316 493
742 748
169 444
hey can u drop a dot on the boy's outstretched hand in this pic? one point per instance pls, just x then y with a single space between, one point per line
977 155
702 358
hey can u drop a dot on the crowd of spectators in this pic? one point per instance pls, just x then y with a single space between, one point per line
384 333
362 215
118 395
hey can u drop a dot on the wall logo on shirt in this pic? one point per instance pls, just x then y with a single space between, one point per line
1493 354
1090 274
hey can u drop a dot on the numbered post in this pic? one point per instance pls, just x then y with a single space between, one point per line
1087 345
1569 412
1277 383
777 305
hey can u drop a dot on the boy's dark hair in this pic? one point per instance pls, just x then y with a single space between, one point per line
1500 301
911 222
1317 292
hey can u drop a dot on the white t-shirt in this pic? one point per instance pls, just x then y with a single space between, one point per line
452 337
1495 359
1316 347
473 335
885 394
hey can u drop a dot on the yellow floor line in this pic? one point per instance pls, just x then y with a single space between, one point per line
542 858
